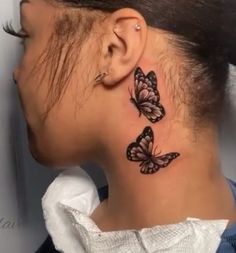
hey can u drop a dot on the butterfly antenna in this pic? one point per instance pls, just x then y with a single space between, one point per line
155 150
156 154
134 101
130 92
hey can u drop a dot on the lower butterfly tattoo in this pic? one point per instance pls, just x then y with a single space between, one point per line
142 151
146 97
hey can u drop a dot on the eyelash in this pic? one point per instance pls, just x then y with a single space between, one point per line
20 34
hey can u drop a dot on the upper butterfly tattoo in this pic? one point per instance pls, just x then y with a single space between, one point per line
146 97
142 151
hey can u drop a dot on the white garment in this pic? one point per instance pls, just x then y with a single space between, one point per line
73 196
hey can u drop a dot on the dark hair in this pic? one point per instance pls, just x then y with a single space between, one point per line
205 30
209 24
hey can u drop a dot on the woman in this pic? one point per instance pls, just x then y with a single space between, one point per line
136 87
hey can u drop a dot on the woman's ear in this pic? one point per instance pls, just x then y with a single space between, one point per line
123 44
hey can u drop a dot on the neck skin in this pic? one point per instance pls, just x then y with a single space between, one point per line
193 185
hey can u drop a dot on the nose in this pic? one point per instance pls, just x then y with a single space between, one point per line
15 75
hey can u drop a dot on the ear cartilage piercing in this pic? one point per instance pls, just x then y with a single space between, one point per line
137 27
100 76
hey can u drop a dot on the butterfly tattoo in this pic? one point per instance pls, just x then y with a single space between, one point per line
142 151
146 97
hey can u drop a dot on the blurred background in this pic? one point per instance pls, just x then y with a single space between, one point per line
22 181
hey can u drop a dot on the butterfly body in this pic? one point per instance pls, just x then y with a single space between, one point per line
142 151
146 97
133 101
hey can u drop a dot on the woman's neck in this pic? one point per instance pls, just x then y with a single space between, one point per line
192 186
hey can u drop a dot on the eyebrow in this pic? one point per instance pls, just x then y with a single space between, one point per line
23 2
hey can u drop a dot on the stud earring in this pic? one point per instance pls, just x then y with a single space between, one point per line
137 27
100 77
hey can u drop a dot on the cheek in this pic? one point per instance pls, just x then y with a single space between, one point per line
33 78
33 89
63 138
32 103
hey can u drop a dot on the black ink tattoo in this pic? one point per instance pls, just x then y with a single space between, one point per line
147 97
142 151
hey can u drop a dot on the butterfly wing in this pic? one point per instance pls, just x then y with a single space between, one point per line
147 96
149 167
141 149
157 162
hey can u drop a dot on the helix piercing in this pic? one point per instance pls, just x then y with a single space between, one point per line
137 27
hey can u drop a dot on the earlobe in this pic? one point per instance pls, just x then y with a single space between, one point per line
125 45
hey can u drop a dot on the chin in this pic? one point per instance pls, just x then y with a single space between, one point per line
38 156
48 160
45 160
36 153
46 155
